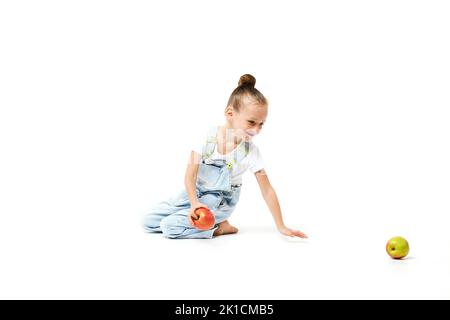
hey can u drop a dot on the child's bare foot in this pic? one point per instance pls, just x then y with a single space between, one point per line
225 228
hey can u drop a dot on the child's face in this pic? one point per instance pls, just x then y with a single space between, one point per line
249 121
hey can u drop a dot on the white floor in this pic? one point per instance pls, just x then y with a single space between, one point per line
122 262
258 264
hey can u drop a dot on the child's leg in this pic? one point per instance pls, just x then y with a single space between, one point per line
152 220
177 226
170 217
224 211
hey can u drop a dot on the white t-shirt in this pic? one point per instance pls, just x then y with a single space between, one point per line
252 162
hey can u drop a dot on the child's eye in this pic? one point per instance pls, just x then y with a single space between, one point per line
251 122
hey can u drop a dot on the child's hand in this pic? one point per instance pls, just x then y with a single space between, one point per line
292 233
192 215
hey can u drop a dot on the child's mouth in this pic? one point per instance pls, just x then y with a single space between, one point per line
250 135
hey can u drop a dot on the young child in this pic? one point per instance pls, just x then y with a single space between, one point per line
213 177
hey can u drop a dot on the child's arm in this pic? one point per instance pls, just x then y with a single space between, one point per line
271 199
190 180
190 177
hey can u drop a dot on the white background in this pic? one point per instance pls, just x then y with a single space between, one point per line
98 104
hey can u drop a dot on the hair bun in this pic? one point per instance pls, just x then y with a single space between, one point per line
247 80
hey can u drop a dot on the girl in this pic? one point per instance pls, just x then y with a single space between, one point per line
214 174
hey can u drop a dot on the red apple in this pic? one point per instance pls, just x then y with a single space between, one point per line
205 219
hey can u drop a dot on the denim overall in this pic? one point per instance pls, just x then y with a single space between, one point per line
213 188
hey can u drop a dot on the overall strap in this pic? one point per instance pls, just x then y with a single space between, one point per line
210 144
239 154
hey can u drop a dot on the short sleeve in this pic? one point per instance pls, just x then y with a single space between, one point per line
256 161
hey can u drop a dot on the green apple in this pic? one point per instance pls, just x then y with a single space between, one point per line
397 247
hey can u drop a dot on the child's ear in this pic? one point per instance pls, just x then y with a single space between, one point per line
229 112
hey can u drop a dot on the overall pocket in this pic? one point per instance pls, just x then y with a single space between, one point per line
211 177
